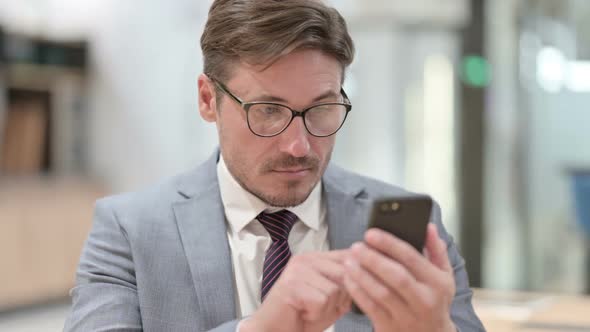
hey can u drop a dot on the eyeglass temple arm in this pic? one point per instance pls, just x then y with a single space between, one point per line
225 90
346 99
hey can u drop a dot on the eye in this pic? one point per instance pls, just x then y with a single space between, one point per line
271 109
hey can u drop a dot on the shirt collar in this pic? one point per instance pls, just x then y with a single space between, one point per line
241 206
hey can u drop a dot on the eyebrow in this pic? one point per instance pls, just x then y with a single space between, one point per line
271 98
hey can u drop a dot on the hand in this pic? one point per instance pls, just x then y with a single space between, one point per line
309 296
399 289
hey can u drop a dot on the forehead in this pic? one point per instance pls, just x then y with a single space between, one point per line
298 75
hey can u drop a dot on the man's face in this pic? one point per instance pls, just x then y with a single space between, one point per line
281 170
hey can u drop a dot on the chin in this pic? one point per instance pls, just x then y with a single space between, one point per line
284 202
287 198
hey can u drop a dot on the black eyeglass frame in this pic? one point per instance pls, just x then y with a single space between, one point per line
294 113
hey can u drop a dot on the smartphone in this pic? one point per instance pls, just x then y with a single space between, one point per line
405 217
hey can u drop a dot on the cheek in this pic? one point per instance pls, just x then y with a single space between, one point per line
246 150
233 130
322 147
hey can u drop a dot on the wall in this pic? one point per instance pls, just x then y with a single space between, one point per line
144 115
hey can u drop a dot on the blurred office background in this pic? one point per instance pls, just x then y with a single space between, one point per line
483 104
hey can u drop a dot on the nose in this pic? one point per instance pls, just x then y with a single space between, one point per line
295 139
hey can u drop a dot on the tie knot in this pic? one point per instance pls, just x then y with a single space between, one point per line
278 224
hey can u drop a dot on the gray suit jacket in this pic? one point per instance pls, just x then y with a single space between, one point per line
159 260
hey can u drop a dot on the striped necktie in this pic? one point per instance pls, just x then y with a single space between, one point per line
278 225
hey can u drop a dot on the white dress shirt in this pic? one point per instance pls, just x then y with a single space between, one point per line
248 240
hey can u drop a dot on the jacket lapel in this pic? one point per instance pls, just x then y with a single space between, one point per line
201 224
347 214
347 209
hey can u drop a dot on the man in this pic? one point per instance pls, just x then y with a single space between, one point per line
267 235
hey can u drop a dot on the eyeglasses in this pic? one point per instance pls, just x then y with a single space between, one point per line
267 119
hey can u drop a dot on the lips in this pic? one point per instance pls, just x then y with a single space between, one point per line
292 170
293 174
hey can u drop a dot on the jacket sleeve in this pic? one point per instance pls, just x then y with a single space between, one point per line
105 296
462 312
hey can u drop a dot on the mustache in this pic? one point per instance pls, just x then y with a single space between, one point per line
291 162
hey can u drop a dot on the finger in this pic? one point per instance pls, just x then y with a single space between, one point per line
437 249
344 301
402 252
319 274
314 294
392 275
420 297
375 313
322 284
323 275
376 289
331 269
311 301
321 302
335 255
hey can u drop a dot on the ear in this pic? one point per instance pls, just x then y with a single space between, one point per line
207 102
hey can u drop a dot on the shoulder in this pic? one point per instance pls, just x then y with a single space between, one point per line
160 192
158 199
152 203
364 187
352 182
